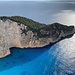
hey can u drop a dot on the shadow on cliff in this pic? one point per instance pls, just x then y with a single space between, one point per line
20 56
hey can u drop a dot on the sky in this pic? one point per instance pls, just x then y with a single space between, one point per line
37 0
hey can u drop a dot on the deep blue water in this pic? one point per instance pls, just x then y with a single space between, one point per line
56 59
40 61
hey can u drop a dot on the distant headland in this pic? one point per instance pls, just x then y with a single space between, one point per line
21 32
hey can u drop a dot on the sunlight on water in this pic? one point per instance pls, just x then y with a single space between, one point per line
66 48
67 55
65 17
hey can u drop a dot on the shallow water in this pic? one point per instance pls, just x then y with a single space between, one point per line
58 59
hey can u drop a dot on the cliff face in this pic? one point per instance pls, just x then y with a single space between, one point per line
14 34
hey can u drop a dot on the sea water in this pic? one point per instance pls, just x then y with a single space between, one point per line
55 59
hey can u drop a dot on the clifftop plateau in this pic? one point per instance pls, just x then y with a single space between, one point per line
16 31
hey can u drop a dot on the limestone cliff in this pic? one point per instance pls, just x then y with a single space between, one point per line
15 34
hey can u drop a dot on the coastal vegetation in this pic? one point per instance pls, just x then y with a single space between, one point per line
43 29
26 21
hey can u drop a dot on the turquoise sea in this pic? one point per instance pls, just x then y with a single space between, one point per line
54 59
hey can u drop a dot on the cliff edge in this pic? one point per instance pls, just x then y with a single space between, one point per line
22 32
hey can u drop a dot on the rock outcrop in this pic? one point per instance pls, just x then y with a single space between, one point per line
14 34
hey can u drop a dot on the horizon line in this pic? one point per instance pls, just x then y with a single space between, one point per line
36 1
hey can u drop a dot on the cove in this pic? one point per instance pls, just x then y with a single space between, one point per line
35 61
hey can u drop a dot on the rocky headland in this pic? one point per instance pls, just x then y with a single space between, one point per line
16 31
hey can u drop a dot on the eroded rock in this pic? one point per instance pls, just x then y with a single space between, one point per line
13 34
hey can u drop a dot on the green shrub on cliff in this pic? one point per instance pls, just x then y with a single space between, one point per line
42 30
28 22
